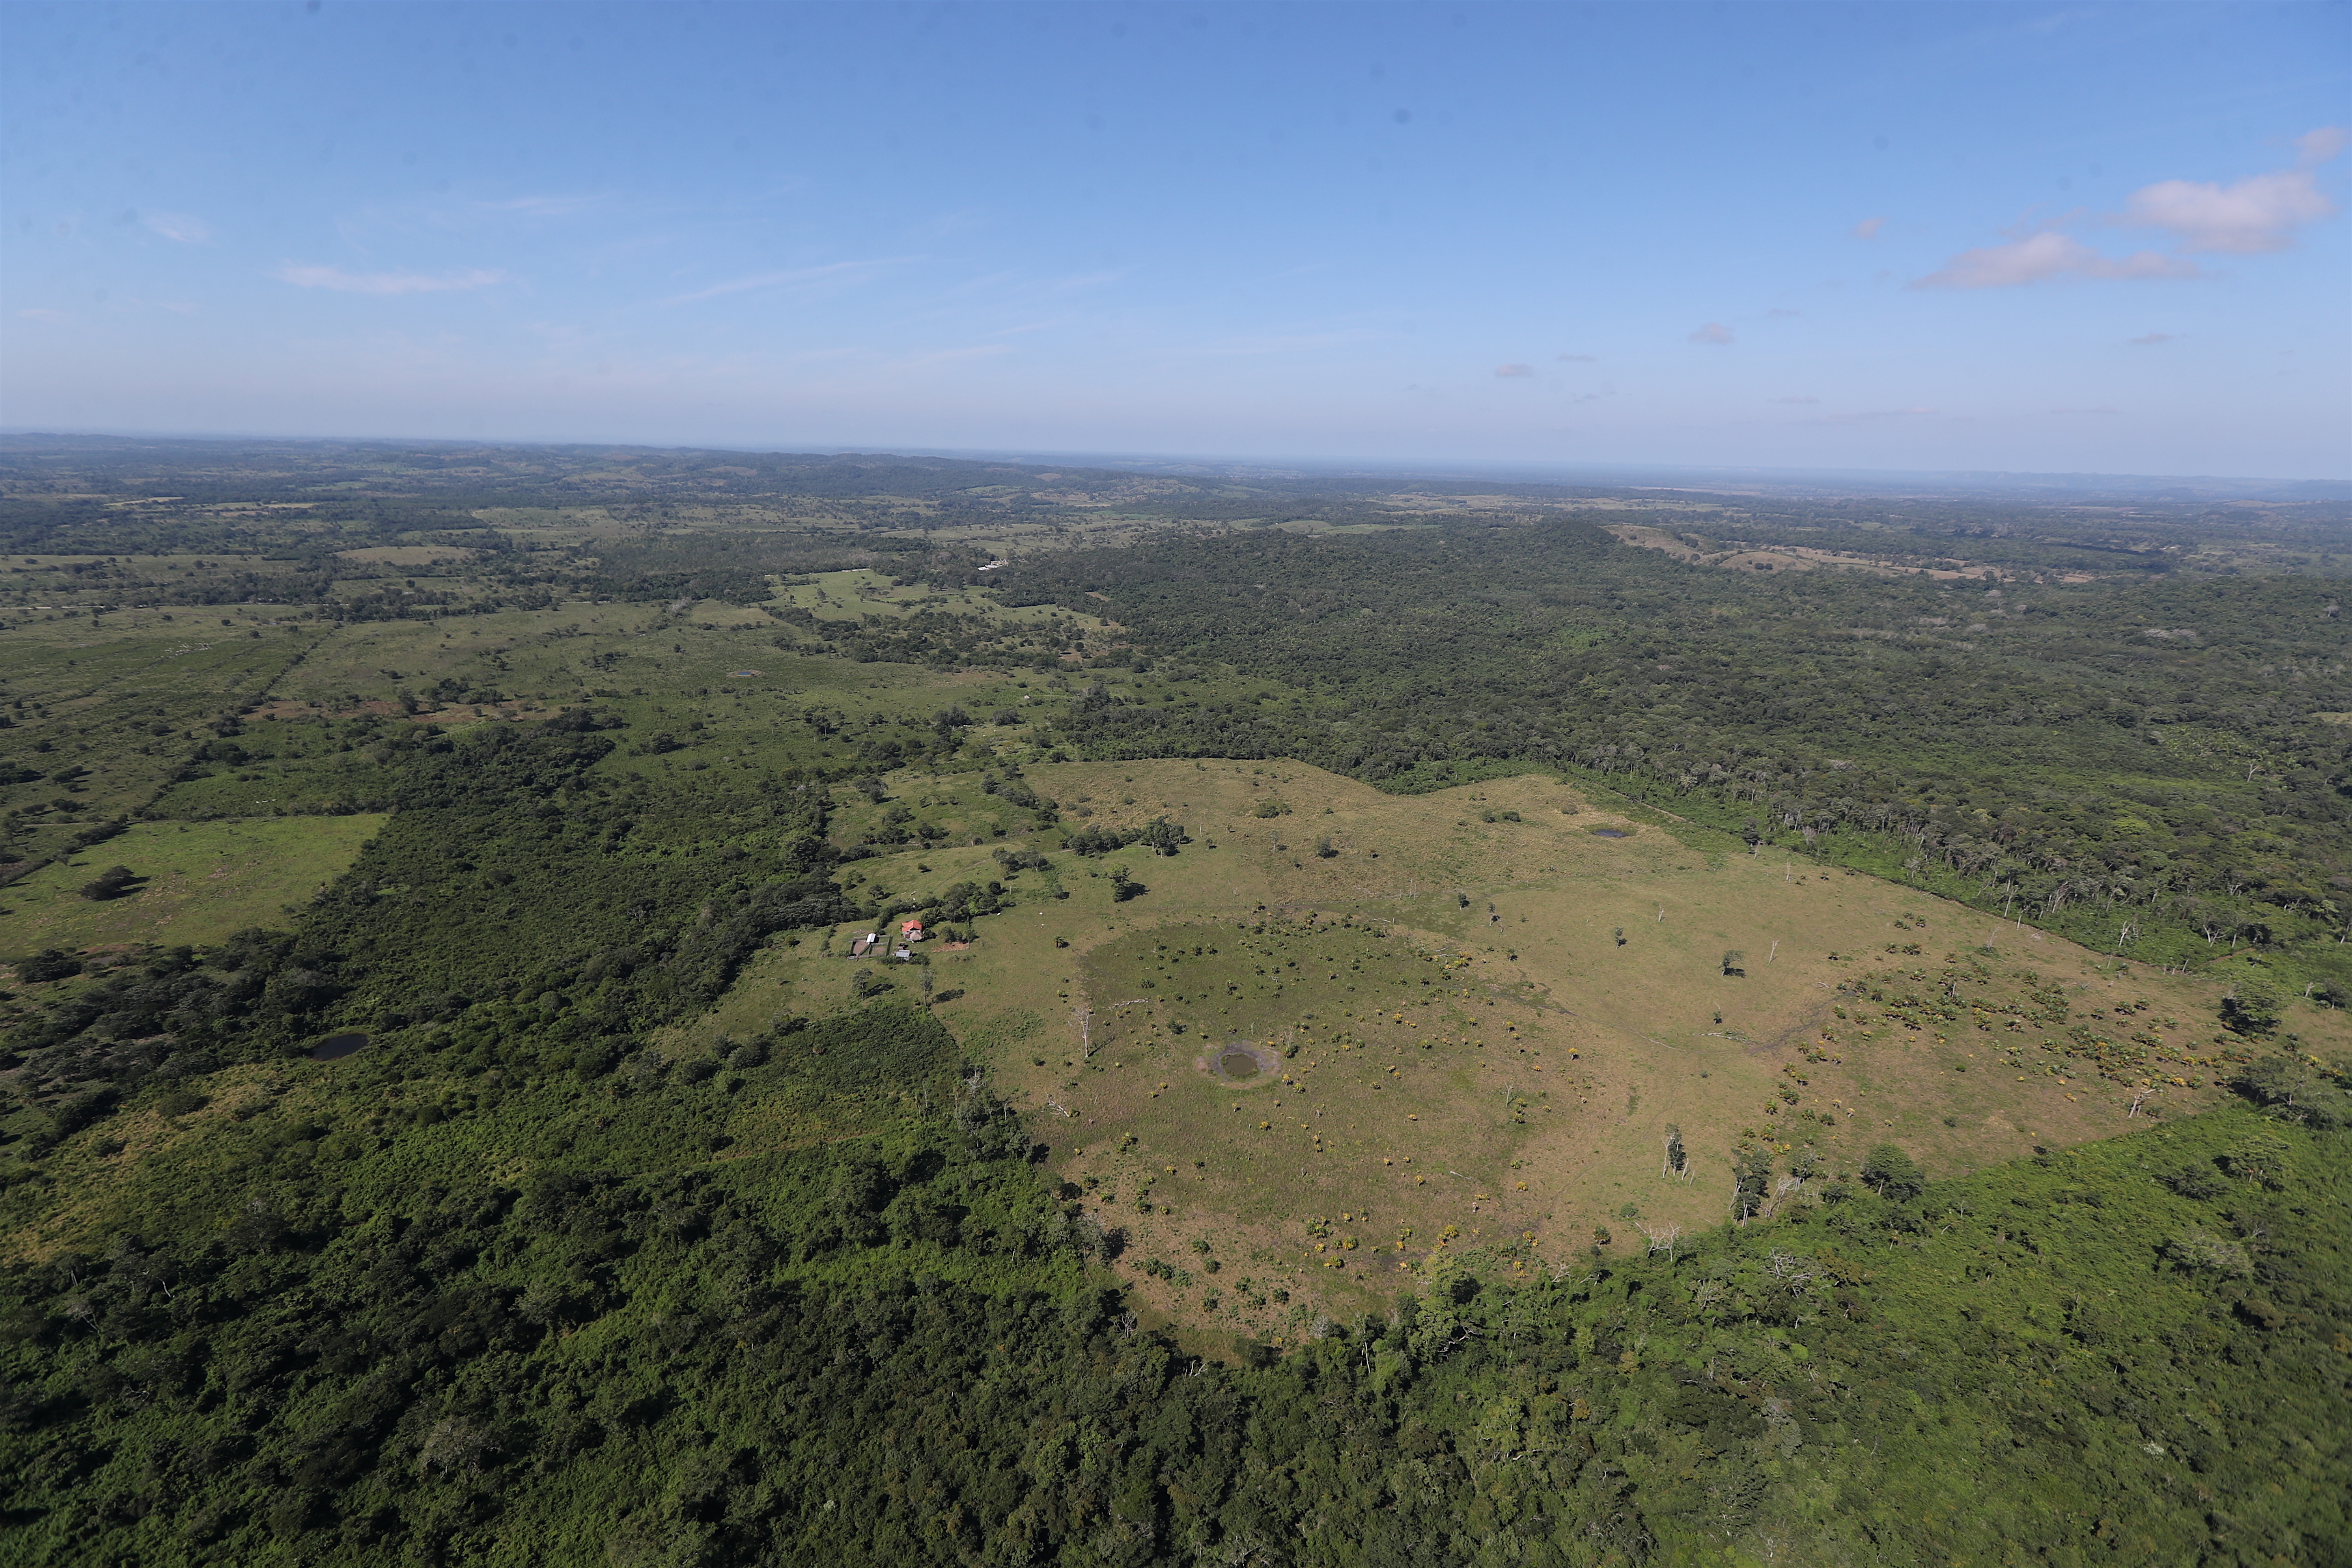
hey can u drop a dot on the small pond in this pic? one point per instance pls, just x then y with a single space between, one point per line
1610 833
334 1048
1238 1064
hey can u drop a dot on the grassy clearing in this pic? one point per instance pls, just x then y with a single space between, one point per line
199 882
1505 1068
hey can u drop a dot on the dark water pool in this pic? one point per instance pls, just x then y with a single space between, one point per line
1610 833
334 1048
1237 1064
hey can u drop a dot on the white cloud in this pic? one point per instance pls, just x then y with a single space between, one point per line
2257 214
180 226
344 282
1508 370
2044 256
2152 339
1713 332
1868 228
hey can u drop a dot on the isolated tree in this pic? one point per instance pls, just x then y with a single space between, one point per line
1732 960
1161 836
1893 1175
111 883
1751 1174
1619 933
1677 1157
2252 1007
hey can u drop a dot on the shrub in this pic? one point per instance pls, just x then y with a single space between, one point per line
2296 1091
47 964
2203 1249
111 883
2198 1182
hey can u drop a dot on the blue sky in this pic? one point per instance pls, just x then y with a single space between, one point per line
2011 236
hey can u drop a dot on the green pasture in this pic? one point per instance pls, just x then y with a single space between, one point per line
199 882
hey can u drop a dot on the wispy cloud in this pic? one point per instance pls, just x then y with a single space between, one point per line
336 279
1082 280
180 226
1799 398
2317 147
1713 332
2044 256
949 356
1509 370
2151 338
1277 344
1858 417
1777 310
1867 228
42 314
544 206
1579 359
798 276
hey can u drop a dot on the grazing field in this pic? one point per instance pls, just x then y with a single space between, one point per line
1486 1017
195 883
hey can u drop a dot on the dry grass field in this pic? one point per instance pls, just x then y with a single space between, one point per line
1340 1038
1472 1027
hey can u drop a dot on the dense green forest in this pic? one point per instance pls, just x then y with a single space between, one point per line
541 1275
346 1344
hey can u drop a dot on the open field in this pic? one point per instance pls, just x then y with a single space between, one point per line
1470 1058
198 883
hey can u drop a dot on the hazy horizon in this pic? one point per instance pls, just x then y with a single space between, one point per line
1989 239
1596 472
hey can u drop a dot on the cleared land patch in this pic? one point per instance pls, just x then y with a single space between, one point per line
197 883
1600 1019
1481 1022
